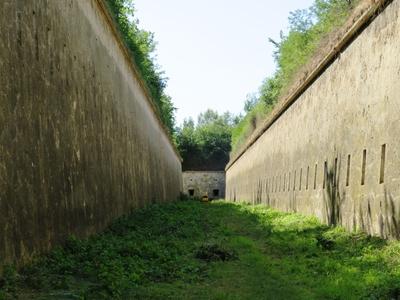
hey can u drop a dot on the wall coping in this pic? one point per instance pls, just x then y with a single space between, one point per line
375 9
102 6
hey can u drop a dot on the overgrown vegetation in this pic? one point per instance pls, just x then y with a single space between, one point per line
307 28
190 250
142 46
206 145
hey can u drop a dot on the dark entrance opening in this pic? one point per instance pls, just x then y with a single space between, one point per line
191 192
215 193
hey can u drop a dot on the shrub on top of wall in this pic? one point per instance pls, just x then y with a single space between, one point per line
141 46
309 32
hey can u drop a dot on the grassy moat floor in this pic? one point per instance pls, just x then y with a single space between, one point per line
192 250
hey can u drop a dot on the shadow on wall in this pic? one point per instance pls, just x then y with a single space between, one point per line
356 203
388 216
332 198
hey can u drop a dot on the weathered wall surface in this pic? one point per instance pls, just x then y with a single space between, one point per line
335 152
79 141
204 183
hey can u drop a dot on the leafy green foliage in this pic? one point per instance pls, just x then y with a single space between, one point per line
190 250
152 245
142 47
7 282
307 28
206 146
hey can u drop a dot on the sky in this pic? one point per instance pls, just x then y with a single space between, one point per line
214 52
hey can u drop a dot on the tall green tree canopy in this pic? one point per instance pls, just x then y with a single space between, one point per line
142 47
206 145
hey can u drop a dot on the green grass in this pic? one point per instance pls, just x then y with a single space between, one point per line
190 250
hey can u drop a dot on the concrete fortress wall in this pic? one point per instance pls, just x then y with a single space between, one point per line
80 143
335 152
201 183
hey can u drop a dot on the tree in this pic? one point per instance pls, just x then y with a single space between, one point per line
206 146
251 101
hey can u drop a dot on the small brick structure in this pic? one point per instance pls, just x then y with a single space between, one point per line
201 183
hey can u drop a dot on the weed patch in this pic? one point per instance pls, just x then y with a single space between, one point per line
215 252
